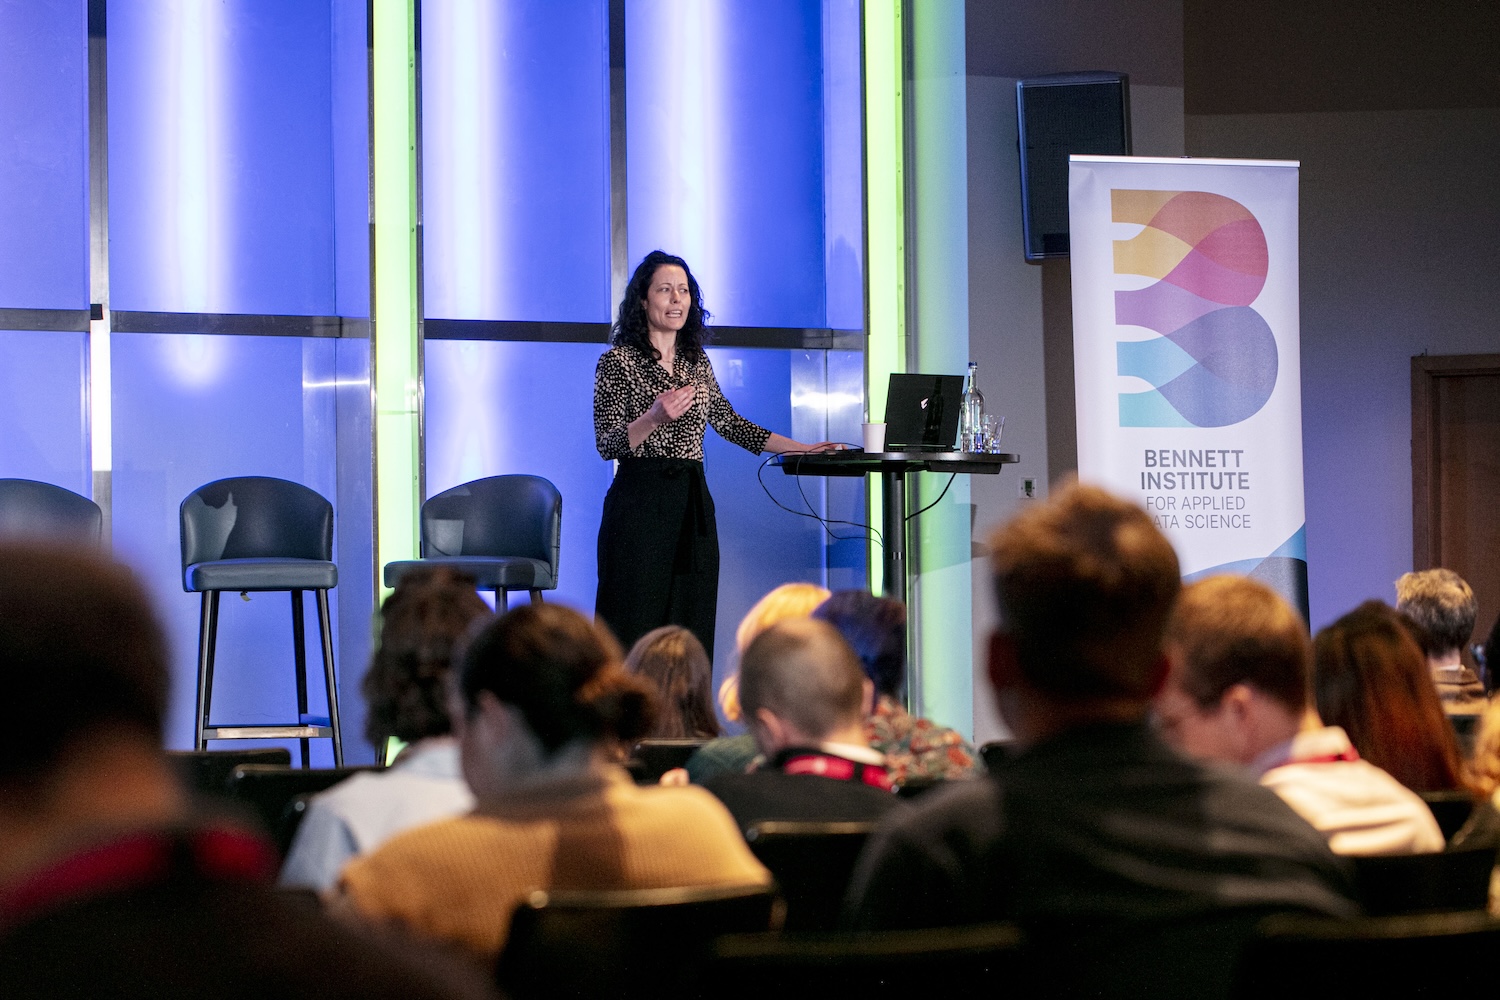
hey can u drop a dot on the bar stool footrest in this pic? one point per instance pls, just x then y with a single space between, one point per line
286 731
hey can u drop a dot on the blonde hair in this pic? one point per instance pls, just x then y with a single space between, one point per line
790 600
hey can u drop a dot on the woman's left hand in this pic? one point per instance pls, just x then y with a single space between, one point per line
779 445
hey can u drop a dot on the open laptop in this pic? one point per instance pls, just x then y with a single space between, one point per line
921 412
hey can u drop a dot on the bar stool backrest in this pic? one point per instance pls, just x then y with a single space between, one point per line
255 517
499 516
29 509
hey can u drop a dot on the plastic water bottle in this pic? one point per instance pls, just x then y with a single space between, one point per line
971 413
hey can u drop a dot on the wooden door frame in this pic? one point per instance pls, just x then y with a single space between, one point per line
1425 371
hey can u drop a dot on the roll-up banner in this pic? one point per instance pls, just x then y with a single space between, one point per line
1187 367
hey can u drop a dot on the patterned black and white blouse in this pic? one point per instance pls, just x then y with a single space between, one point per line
626 383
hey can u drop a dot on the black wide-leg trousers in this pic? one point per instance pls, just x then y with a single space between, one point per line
658 551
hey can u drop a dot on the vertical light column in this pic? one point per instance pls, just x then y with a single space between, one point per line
98 390
885 222
396 347
942 595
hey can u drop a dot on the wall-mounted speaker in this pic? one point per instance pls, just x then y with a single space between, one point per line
1059 115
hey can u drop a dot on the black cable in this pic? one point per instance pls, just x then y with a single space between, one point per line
951 477
870 532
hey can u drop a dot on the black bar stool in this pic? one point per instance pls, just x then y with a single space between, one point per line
504 531
255 533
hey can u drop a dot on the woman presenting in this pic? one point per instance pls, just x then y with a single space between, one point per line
654 396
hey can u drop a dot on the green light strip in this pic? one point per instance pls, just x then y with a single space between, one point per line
885 223
395 374
942 552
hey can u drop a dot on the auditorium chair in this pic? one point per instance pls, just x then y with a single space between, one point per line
812 863
256 533
1309 958
1424 883
206 772
913 788
646 944
1451 809
268 793
994 753
41 511
650 759
504 531
979 961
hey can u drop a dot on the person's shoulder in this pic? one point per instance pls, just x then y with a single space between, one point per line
619 357
955 812
429 844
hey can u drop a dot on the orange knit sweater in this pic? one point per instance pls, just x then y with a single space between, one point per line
459 880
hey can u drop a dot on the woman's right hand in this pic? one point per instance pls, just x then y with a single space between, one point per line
670 405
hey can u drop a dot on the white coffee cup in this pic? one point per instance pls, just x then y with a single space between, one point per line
874 438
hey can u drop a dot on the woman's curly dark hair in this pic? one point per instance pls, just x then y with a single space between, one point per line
630 328
422 625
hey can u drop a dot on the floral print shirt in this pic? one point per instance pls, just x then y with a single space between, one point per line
626 383
917 748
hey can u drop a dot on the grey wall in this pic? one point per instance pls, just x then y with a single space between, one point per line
1400 256
1020 326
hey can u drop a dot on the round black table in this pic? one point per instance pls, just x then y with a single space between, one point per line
893 467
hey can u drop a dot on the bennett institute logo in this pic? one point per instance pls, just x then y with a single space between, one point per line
1215 361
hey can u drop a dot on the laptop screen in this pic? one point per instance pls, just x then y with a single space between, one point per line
921 412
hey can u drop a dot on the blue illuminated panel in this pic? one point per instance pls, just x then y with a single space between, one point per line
221 156
44 249
499 408
843 165
515 159
191 409
42 431
351 157
725 145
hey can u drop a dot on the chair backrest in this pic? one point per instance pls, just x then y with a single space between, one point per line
653 758
976 961
268 791
913 788
1451 809
29 509
498 516
255 517
1424 883
994 753
206 772
1437 955
813 863
630 944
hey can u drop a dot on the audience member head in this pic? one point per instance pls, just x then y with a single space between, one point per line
1240 658
542 690
1084 584
85 662
1370 677
673 659
875 627
422 624
801 685
1443 605
1485 767
790 600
